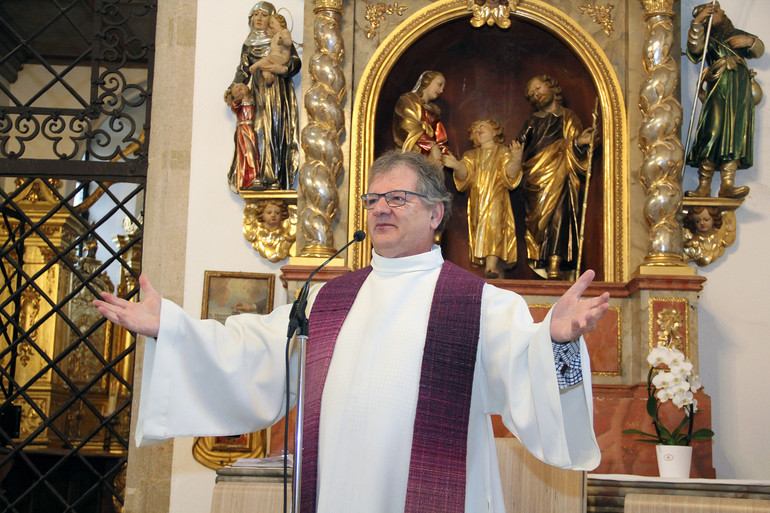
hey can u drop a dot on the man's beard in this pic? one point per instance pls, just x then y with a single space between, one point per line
543 102
723 27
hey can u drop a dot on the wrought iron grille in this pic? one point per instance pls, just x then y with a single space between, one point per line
74 130
66 368
87 90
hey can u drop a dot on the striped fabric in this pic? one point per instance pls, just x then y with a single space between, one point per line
439 446
437 467
330 308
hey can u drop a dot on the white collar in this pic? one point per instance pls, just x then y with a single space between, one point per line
420 262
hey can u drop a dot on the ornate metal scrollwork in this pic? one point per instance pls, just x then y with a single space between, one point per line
99 120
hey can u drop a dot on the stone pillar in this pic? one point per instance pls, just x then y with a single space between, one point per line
148 479
318 195
662 168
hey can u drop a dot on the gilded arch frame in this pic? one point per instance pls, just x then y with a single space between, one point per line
614 118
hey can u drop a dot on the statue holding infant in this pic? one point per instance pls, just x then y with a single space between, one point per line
268 62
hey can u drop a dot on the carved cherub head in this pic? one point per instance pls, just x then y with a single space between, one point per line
491 3
702 220
272 213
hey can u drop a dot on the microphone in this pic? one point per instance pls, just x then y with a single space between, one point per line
297 318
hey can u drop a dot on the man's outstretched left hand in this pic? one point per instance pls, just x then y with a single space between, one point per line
573 316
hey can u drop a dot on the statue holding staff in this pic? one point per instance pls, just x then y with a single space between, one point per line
724 139
554 150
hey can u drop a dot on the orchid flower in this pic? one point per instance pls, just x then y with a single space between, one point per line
671 379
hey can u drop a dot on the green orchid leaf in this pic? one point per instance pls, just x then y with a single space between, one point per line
637 432
702 434
652 407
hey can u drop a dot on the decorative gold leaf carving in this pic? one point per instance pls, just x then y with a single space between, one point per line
602 14
272 239
670 322
492 12
30 420
377 12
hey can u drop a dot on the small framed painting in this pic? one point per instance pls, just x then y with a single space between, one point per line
233 293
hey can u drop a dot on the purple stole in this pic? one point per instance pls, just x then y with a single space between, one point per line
439 445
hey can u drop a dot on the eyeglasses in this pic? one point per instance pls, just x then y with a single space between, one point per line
392 198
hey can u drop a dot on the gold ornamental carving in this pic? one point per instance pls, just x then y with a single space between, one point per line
668 323
25 353
30 420
663 165
492 12
220 451
710 228
36 191
30 309
320 139
271 235
601 14
658 7
614 125
377 12
328 5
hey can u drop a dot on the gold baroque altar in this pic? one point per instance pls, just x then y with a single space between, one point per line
638 257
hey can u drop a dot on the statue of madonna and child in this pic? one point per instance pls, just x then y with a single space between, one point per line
262 97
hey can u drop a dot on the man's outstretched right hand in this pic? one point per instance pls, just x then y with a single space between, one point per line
142 317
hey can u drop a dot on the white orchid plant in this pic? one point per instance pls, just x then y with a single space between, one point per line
671 379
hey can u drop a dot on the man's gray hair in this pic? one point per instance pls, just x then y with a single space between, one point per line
430 178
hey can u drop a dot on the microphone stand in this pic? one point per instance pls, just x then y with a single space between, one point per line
298 324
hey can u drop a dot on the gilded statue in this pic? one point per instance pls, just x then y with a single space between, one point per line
417 119
268 62
707 233
487 173
724 138
552 148
271 227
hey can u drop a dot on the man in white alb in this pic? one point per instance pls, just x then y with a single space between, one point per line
377 438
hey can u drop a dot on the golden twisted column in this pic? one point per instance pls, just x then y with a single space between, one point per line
320 139
662 169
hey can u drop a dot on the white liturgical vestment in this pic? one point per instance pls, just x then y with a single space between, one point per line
203 379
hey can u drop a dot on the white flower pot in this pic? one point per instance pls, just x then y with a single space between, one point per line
674 460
